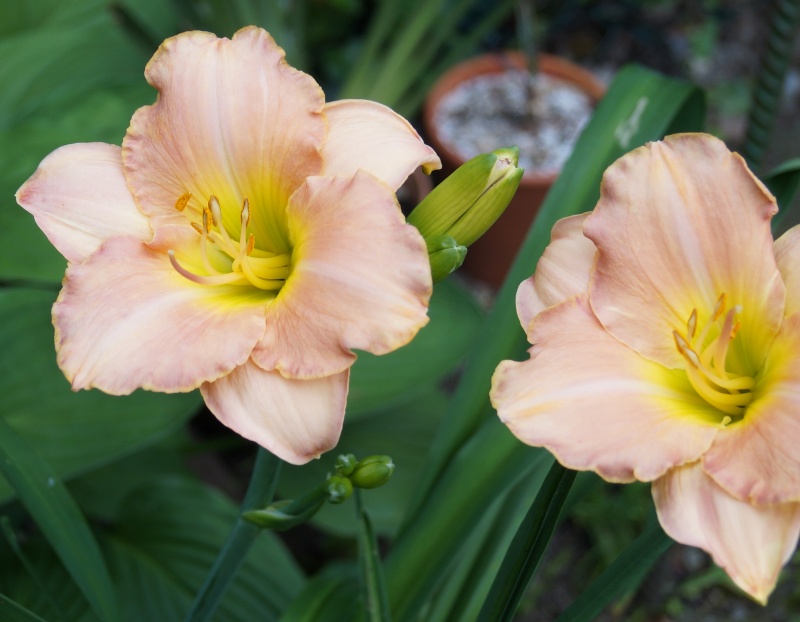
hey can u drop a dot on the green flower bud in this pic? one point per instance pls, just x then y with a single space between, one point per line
346 464
372 472
445 254
470 200
289 513
338 488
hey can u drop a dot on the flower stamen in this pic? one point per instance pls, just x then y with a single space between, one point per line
248 265
707 371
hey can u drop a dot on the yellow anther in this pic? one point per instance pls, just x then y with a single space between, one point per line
197 228
251 242
216 212
680 342
183 201
691 325
735 330
208 219
726 420
246 211
719 308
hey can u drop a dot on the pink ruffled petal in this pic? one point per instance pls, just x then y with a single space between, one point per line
750 543
598 405
232 120
757 459
787 256
126 319
679 223
297 420
562 272
367 135
79 199
360 279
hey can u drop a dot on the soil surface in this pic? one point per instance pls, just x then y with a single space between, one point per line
542 115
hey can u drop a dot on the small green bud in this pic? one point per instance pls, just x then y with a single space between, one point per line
470 200
346 464
445 254
289 513
338 488
372 472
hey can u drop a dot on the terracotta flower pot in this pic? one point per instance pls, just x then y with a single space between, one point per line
491 256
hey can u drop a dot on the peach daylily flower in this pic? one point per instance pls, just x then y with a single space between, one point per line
244 240
666 348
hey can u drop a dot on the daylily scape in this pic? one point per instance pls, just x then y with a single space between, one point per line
666 348
244 240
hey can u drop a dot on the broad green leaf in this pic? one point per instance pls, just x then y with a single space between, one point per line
159 548
73 432
12 612
25 253
166 539
46 66
381 382
59 518
783 181
623 574
21 15
403 433
331 596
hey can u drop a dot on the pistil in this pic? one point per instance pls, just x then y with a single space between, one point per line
249 265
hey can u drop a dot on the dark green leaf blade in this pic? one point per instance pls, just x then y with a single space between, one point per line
73 432
623 574
527 547
12 612
58 516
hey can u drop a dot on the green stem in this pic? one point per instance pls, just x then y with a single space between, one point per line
372 572
528 547
260 491
783 24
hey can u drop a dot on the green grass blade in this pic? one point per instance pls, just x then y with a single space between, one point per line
480 473
49 503
622 575
528 547
12 612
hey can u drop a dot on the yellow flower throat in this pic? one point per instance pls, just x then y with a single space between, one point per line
241 262
705 359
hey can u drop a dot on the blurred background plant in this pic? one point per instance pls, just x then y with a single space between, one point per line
156 476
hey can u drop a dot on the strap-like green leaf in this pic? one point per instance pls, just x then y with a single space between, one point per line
623 574
57 515
12 612
527 547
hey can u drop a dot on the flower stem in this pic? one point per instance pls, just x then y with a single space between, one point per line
260 491
372 571
527 547
784 20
